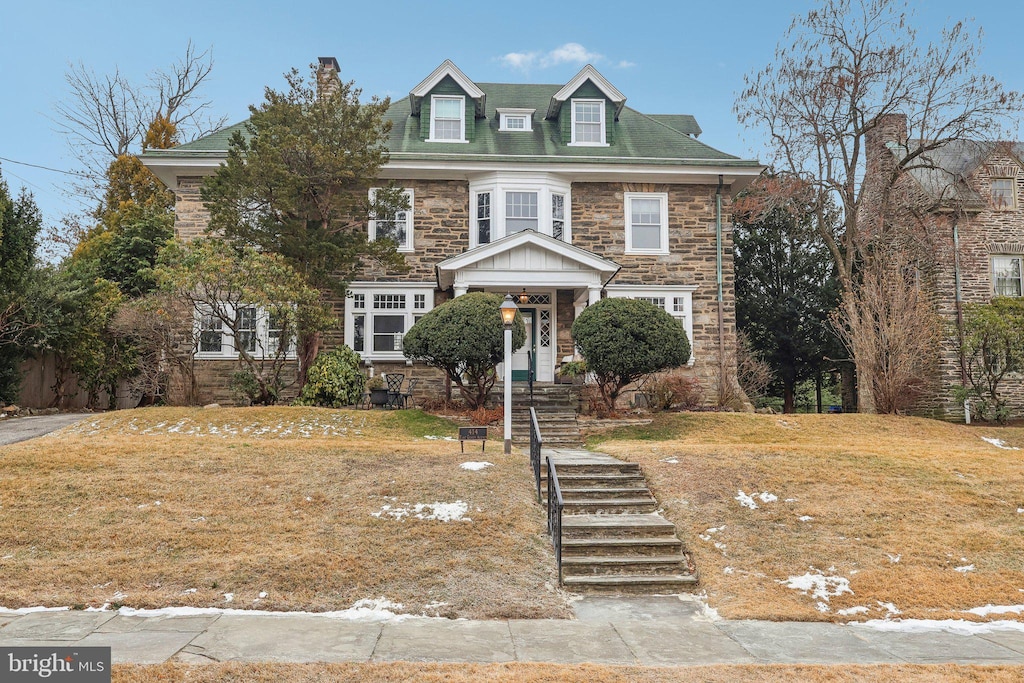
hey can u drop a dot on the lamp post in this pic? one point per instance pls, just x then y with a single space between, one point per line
508 316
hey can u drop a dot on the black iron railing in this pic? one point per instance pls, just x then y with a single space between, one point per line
535 445
530 373
555 506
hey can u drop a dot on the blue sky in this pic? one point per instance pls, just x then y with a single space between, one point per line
679 57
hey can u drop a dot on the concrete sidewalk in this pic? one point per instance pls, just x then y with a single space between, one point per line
652 631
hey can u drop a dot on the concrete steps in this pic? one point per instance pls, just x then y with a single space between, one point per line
613 540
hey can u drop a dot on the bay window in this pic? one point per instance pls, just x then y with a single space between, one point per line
506 203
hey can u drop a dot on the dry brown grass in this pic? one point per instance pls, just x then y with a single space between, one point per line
555 673
131 508
931 493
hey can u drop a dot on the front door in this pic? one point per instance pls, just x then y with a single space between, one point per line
527 353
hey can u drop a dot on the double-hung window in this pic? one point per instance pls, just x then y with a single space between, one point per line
397 227
520 211
377 318
447 118
1007 275
646 222
588 125
1004 194
233 329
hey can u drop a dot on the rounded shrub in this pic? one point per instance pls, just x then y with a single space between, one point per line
333 380
624 339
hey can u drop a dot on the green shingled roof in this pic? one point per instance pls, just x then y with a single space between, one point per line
657 139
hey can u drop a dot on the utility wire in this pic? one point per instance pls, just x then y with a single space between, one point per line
46 168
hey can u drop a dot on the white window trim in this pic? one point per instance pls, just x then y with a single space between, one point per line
500 184
992 270
627 201
462 117
410 240
505 113
604 130
669 293
368 290
228 350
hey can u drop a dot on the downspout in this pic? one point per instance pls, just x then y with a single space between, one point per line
721 296
960 315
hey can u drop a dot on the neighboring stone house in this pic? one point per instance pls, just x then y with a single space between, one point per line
560 194
971 192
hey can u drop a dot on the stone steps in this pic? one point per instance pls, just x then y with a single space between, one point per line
613 540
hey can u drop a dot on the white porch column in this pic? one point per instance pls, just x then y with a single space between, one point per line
594 294
460 290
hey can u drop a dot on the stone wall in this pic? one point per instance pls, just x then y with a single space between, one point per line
441 226
982 234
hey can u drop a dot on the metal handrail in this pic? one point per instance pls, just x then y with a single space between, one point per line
555 514
530 373
535 445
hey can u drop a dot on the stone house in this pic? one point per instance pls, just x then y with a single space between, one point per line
971 195
559 194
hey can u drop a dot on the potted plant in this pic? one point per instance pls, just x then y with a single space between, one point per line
378 392
573 371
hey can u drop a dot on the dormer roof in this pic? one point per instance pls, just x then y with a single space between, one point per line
447 68
587 73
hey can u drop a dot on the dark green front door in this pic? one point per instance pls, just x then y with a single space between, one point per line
520 364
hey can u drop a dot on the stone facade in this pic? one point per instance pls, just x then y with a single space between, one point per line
441 227
960 202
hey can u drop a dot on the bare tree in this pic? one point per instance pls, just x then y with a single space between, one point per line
841 75
106 116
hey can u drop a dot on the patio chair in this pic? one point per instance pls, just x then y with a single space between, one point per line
407 396
394 381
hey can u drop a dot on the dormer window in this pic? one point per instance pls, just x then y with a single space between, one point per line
588 122
515 119
447 118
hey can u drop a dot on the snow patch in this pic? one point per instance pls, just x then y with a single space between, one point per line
442 512
819 586
999 443
671 461
745 500
229 597
476 466
367 609
957 626
805 518
894 558
964 569
768 497
850 611
728 570
996 609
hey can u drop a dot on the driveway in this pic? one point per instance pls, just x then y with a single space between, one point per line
15 429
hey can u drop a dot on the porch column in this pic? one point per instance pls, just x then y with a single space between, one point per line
594 294
460 290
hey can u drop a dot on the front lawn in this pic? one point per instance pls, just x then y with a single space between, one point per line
841 517
272 509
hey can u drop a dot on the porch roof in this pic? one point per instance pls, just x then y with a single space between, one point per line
526 258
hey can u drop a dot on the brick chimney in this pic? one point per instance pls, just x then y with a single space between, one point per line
327 79
887 128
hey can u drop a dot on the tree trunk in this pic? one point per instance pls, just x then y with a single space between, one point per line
863 356
817 389
309 348
788 400
849 387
